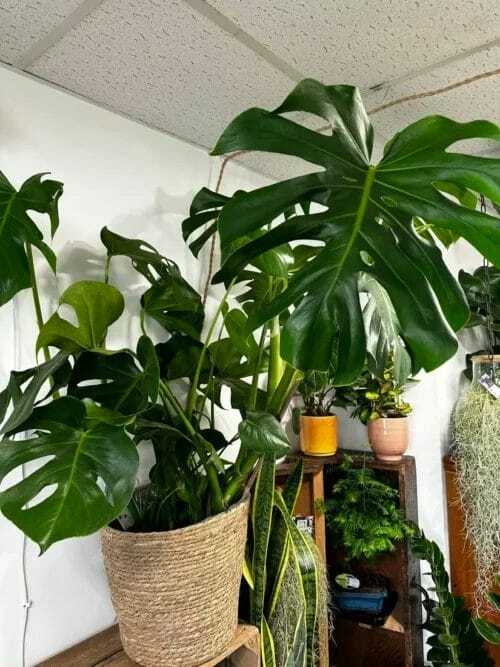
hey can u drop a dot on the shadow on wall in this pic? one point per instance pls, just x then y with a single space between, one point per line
159 225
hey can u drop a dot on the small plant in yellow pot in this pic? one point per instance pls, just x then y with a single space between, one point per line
318 424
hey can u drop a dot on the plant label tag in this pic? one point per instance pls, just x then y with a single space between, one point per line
126 520
305 524
487 382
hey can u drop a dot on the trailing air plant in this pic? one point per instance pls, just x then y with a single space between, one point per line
476 426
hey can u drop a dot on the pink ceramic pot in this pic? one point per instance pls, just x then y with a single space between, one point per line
389 438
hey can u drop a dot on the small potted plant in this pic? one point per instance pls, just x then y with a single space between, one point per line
318 424
379 403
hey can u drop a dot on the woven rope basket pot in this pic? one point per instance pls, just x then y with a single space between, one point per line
176 592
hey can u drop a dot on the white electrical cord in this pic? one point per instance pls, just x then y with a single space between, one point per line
26 604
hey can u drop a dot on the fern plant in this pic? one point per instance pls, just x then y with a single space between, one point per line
363 513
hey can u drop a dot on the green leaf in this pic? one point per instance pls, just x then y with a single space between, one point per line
96 306
262 433
293 486
146 354
267 649
303 548
262 511
87 481
298 651
56 369
384 343
17 229
170 300
174 304
114 381
487 630
367 226
205 208
494 599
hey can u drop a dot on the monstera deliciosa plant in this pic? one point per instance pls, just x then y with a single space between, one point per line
86 408
374 219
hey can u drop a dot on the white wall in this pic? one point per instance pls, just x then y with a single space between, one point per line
139 183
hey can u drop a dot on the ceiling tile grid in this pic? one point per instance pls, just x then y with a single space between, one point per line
162 64
188 67
480 99
24 22
365 41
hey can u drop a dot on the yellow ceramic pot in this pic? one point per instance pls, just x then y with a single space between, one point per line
318 435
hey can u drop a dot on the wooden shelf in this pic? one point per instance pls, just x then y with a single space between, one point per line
397 643
462 565
105 648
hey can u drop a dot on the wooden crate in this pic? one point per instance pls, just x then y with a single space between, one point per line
399 642
462 565
105 648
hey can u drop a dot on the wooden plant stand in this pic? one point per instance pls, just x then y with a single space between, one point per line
462 565
398 643
105 648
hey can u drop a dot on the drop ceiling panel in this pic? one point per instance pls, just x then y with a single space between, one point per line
480 99
163 64
24 22
364 41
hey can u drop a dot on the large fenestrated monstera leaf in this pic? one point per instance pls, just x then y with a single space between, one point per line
115 381
24 388
17 229
87 481
366 226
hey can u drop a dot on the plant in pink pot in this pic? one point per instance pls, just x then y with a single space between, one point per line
379 403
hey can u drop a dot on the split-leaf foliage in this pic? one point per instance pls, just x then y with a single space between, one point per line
369 220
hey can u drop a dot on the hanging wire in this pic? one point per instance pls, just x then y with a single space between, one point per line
26 603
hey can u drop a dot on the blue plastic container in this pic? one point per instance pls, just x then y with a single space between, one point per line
371 601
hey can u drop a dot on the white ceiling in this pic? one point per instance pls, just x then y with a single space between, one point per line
188 67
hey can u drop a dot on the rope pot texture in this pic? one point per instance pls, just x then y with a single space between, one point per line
176 592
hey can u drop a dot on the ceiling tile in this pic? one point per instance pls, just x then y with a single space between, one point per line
364 42
24 22
480 99
163 64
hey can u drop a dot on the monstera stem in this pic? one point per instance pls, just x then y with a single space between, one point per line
278 402
275 362
193 390
252 401
36 296
213 479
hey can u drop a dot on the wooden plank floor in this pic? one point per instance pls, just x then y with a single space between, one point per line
105 648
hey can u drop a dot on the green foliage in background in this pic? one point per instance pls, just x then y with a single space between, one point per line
363 513
367 225
372 397
454 640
